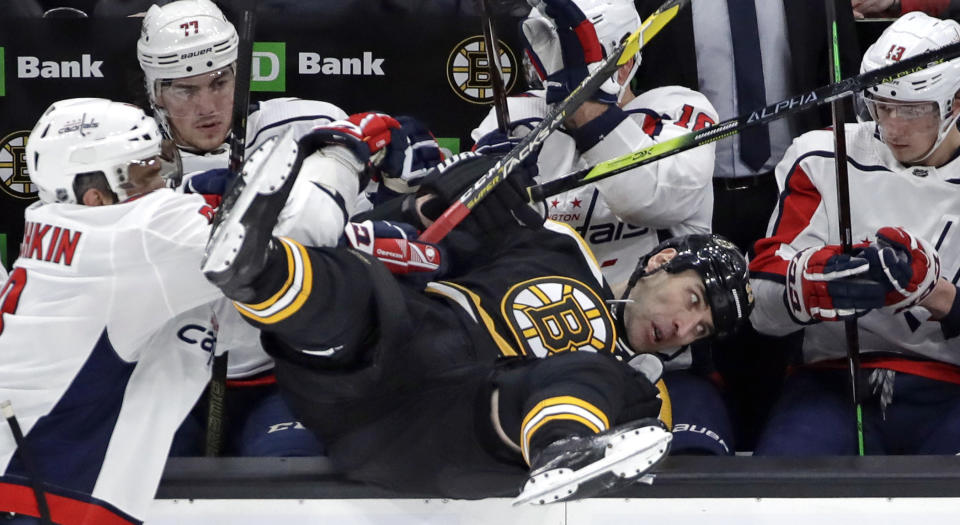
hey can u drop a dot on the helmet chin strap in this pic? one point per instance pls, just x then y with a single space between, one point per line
626 84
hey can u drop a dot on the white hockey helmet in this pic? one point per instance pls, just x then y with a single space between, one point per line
84 135
613 20
910 35
183 39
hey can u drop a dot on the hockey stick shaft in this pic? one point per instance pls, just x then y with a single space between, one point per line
492 49
732 126
216 392
485 184
843 204
38 493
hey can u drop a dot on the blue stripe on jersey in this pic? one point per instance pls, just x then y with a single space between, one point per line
657 117
70 442
287 121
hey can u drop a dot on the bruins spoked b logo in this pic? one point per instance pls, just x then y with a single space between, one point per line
13 166
549 315
469 73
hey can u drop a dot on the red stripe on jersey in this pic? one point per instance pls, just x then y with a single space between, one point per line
650 124
592 52
797 206
929 369
268 379
63 510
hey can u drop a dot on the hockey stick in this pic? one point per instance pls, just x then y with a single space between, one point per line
483 186
843 205
216 393
38 493
732 126
492 49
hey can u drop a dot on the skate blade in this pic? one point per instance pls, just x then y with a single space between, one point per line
629 455
265 172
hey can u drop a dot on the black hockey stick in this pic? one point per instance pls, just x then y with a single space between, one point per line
480 189
843 205
492 49
732 126
38 493
216 393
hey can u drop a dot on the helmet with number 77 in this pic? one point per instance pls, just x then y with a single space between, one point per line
183 39
913 34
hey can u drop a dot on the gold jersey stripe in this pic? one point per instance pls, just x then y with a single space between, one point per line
561 407
296 295
283 289
666 408
502 344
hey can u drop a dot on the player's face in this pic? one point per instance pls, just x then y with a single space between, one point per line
667 312
909 129
199 108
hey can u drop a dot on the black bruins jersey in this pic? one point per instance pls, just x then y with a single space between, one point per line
545 295
397 381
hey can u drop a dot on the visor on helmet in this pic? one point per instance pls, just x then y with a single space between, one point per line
180 97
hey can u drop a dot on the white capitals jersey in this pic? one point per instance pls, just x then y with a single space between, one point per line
924 200
625 216
308 207
107 336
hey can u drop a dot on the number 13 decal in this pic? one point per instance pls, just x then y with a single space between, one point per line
10 293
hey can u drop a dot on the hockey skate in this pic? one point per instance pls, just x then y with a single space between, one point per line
577 467
243 225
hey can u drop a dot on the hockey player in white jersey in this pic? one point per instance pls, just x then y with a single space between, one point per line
625 216
192 99
107 331
904 197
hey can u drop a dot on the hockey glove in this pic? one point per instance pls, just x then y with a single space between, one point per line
210 184
408 157
365 134
908 267
563 47
395 245
506 207
824 284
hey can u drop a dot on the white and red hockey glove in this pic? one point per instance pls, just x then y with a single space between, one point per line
395 245
907 266
825 284
366 134
563 47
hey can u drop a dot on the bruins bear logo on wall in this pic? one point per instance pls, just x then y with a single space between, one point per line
549 315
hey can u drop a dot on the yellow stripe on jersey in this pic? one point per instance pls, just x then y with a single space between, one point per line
560 408
449 290
292 294
666 408
566 229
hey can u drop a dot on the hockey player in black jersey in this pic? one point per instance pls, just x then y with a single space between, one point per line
423 388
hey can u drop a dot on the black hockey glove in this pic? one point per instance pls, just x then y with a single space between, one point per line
504 210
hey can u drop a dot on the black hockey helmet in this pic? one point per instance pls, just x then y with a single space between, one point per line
723 270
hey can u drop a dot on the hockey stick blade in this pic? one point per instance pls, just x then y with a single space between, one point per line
628 455
499 171
732 126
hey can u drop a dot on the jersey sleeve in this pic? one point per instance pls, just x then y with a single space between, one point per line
271 118
322 199
670 191
799 221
